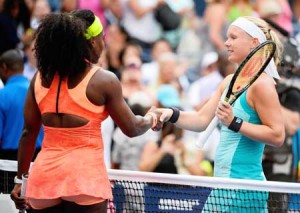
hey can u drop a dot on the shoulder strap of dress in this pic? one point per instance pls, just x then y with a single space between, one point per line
93 70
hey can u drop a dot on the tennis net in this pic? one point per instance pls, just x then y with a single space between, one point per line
135 191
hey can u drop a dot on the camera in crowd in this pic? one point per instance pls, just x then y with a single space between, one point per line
290 64
288 87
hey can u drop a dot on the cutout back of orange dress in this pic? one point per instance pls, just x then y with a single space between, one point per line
71 161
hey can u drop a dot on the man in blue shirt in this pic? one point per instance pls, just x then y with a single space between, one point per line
12 100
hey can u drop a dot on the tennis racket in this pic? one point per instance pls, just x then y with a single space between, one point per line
248 71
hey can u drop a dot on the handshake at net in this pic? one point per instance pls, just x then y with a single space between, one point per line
162 115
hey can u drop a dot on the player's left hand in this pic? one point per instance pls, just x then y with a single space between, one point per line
224 113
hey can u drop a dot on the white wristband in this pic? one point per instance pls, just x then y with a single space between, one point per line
17 180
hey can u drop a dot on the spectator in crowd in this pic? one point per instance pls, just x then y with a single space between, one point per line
204 35
114 13
278 163
12 100
23 18
40 9
216 25
30 65
295 5
131 49
140 24
55 5
191 45
278 11
238 8
1 4
168 67
163 151
150 70
68 5
199 7
126 152
97 6
116 41
131 77
9 38
201 90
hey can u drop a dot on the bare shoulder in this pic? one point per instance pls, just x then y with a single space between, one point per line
228 77
105 79
103 75
103 86
263 88
264 82
262 92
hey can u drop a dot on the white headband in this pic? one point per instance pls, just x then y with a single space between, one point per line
254 31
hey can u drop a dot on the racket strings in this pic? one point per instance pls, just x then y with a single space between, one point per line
254 63
252 67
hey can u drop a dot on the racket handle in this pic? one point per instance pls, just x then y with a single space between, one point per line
207 132
22 195
23 190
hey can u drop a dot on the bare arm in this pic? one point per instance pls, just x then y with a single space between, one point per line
153 154
262 96
198 120
110 89
265 101
148 163
32 124
216 24
193 165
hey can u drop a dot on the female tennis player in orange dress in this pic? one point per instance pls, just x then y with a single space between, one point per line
70 97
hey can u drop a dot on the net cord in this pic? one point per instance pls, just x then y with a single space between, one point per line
190 180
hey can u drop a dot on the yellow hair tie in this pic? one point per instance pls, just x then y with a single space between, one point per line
95 29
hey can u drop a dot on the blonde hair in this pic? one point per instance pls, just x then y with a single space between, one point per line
270 35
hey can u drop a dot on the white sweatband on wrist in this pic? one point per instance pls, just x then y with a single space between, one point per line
17 180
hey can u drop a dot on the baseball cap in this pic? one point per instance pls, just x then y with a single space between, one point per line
209 58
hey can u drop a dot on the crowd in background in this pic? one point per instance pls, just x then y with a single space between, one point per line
159 65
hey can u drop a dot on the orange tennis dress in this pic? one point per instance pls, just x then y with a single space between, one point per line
71 161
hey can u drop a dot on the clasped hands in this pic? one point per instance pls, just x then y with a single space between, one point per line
160 116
